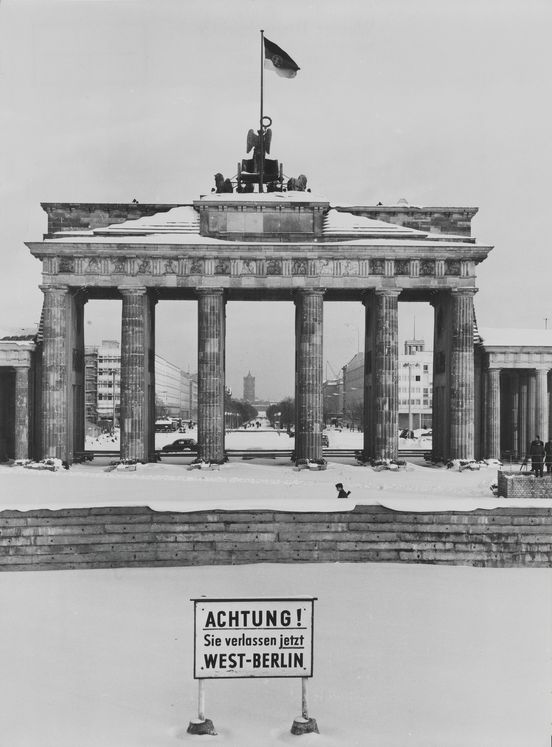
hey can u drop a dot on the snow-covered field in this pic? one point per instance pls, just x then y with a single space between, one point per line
424 656
259 483
266 438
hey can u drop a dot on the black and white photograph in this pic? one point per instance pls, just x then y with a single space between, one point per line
275 373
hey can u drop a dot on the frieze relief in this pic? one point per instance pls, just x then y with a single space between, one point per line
452 267
258 266
427 267
93 265
66 265
144 267
222 267
402 267
327 267
197 267
299 267
378 266
349 267
274 267
118 266
248 267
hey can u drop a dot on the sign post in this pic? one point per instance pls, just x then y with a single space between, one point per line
253 637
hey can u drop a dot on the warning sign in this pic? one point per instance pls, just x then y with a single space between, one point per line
253 637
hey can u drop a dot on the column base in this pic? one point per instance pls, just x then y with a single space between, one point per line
364 459
311 464
196 726
304 726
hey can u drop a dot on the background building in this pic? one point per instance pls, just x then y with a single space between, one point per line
332 391
175 390
415 388
353 391
415 385
109 381
249 388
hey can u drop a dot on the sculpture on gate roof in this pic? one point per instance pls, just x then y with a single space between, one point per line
257 169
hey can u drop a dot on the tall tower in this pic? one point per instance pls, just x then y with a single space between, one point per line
249 388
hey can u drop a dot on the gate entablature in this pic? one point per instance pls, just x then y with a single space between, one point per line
337 267
272 241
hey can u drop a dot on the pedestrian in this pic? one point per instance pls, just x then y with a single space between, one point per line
548 455
341 493
536 452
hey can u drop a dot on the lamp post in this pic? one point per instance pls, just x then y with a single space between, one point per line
114 381
410 365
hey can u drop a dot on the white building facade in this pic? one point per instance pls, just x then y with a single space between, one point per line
415 372
175 390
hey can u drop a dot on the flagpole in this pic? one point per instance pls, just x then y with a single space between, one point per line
261 138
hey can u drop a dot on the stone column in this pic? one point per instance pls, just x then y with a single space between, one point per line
136 374
549 407
440 416
22 412
522 415
309 420
211 373
386 373
493 413
480 399
369 428
55 372
514 419
541 396
531 406
462 409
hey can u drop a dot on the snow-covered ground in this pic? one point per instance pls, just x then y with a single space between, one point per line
424 656
258 483
265 438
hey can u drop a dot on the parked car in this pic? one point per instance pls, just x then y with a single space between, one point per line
181 444
325 440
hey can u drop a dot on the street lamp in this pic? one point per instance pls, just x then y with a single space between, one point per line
410 365
114 375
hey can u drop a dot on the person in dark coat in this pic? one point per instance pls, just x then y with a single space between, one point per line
548 455
341 493
536 452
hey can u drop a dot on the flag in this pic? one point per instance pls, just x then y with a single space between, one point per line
278 61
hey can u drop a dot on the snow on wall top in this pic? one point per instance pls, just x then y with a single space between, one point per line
290 196
339 223
515 337
182 219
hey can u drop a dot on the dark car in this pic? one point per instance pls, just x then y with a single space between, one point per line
325 440
181 444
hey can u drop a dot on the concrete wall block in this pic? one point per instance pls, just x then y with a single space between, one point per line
83 538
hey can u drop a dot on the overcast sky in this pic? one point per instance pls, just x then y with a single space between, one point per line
442 102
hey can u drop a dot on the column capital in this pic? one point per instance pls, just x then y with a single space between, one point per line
132 290
21 366
54 288
460 291
309 292
391 292
217 291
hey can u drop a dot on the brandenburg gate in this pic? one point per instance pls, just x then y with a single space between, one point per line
244 245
